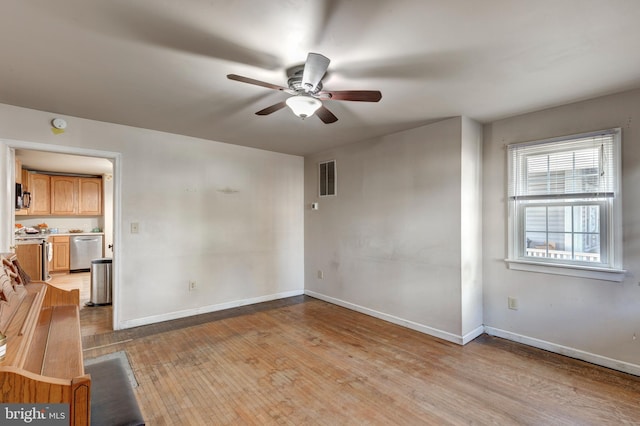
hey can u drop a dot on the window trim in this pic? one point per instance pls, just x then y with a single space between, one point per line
612 232
596 273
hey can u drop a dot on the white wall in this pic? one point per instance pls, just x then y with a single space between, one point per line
389 244
228 217
586 318
7 206
471 228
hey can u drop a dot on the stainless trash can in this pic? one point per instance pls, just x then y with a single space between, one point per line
100 282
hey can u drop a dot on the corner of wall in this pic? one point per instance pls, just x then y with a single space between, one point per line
471 226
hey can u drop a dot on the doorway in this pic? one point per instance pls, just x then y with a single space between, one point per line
40 158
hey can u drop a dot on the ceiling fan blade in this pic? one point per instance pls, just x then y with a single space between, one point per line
272 108
314 69
325 115
256 82
351 95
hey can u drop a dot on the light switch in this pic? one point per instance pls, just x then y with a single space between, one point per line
134 227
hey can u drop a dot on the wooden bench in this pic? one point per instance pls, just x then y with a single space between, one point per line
43 362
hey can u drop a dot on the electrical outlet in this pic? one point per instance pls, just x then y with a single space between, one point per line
192 285
512 303
320 274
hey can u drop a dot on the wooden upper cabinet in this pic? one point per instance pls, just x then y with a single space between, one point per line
90 196
19 171
40 189
64 195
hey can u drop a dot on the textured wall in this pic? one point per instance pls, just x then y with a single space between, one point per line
390 241
228 217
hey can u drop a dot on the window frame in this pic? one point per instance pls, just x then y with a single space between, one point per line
610 226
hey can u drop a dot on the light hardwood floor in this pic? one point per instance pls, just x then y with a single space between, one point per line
93 320
303 361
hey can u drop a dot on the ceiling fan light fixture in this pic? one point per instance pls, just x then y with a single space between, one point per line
303 106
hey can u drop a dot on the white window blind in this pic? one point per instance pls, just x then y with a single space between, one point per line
577 168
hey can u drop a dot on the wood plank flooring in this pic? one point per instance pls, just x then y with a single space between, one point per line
94 320
303 361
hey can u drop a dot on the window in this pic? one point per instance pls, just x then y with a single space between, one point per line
327 179
565 205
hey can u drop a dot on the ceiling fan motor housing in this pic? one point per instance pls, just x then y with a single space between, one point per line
295 84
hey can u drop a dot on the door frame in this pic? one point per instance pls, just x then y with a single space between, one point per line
6 194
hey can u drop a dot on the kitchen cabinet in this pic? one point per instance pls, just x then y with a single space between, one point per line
40 188
30 257
60 261
90 196
64 195
72 195
18 171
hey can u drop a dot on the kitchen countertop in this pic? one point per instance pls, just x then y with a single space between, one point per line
22 237
75 233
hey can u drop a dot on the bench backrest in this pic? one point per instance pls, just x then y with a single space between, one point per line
12 291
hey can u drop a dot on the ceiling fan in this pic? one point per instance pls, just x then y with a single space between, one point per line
305 84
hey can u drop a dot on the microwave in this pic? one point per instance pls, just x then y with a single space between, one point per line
23 198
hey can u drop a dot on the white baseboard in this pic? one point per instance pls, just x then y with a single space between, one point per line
603 361
206 309
472 334
445 335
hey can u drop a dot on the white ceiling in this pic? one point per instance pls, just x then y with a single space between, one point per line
63 163
162 64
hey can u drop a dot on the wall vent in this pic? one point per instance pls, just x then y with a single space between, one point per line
327 173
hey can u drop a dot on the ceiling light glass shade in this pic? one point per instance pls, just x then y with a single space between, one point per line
303 106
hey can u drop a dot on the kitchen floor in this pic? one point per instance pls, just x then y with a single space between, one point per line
93 320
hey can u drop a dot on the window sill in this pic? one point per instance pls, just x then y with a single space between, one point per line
595 273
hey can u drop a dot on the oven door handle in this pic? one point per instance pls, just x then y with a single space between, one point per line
49 251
